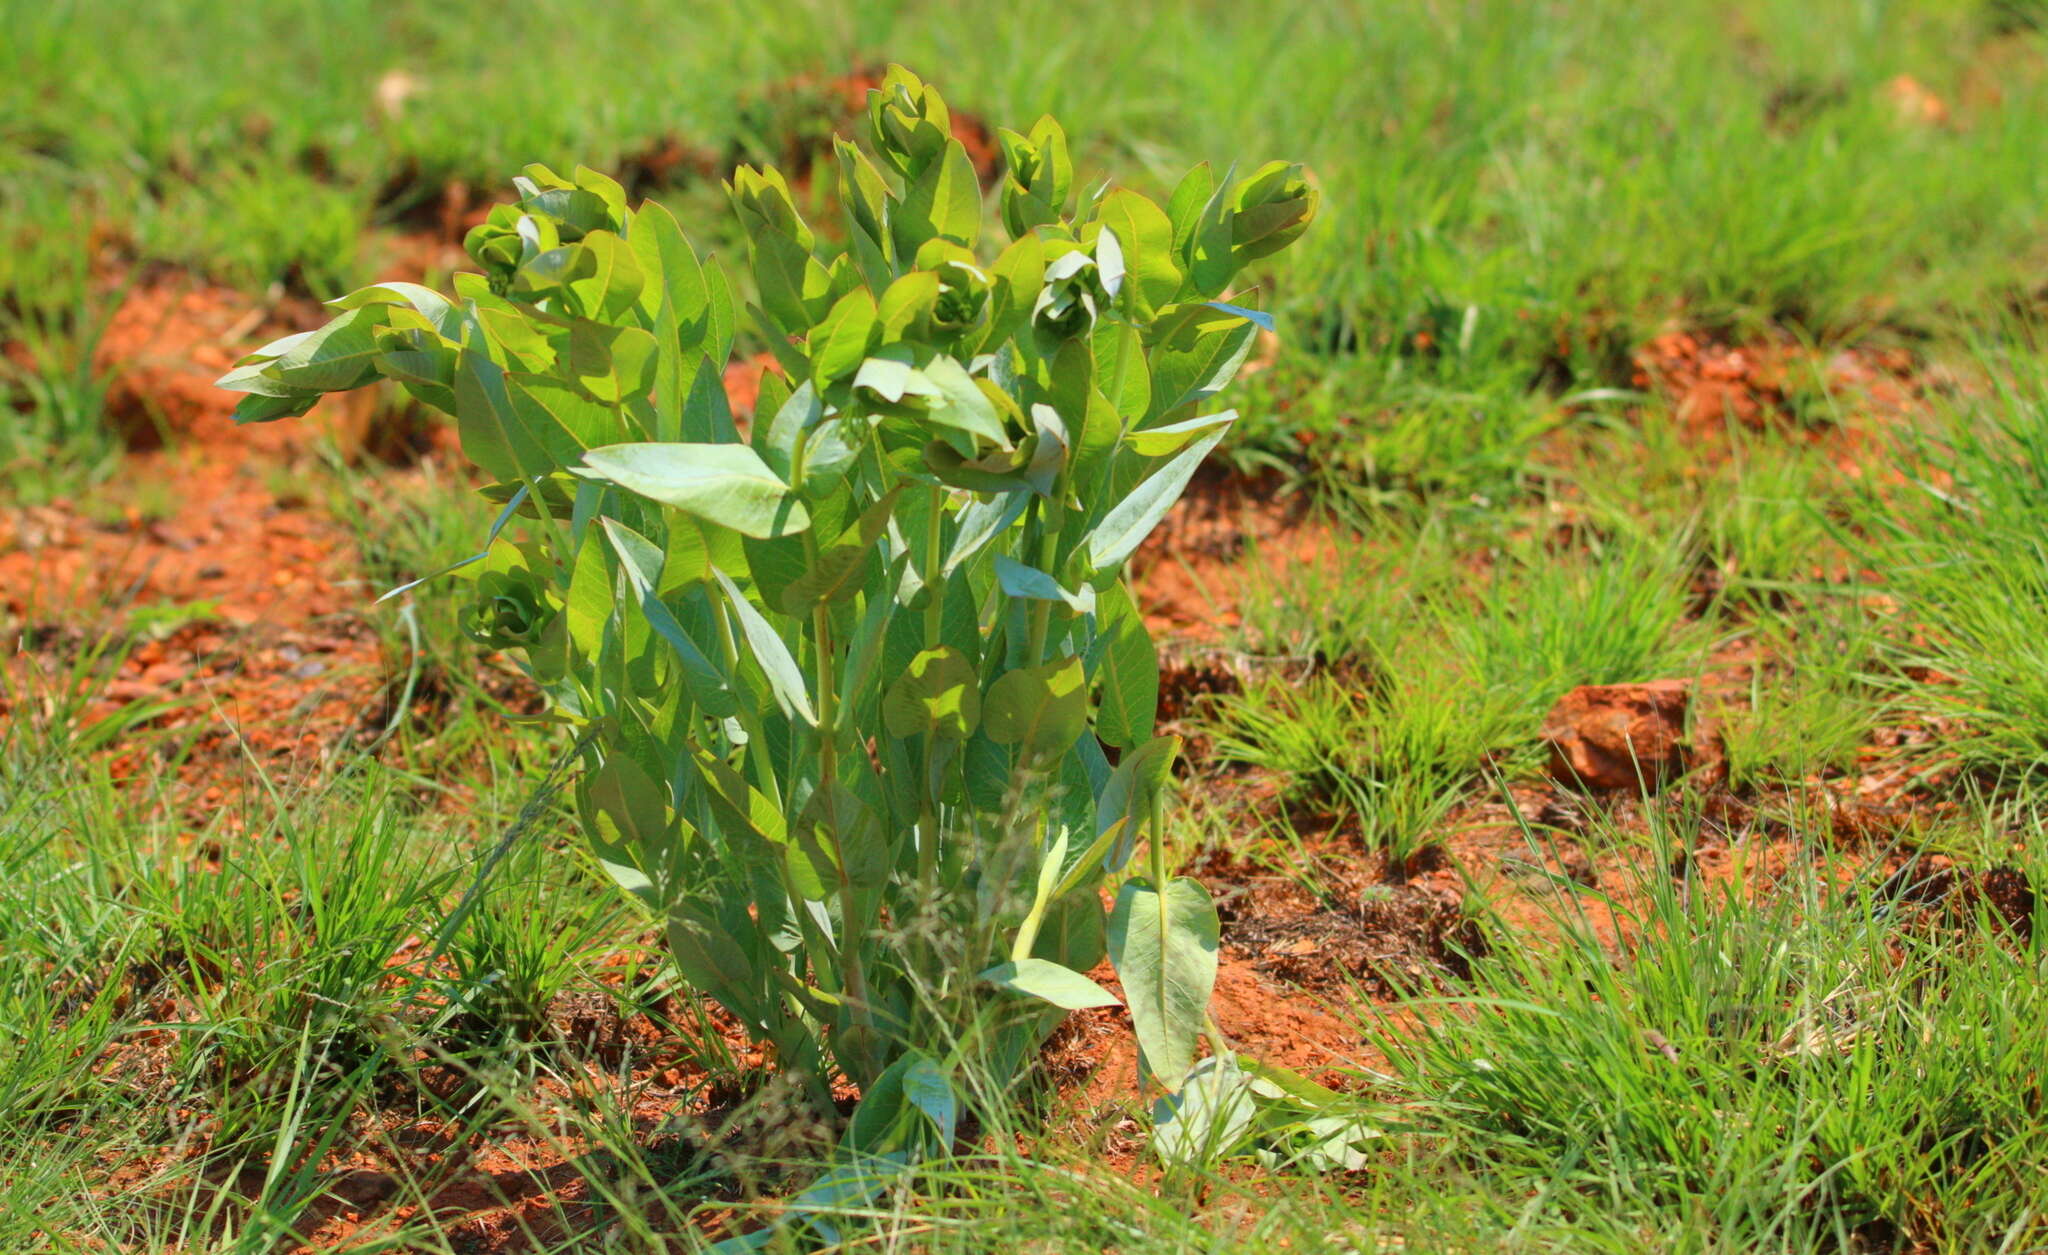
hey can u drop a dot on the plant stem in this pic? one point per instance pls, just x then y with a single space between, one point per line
934 624
850 911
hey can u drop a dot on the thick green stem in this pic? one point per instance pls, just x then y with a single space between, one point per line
934 625
1048 518
850 906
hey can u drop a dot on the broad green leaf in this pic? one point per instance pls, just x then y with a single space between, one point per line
675 276
840 343
791 281
938 694
785 678
612 363
1198 357
748 817
980 522
1041 709
431 305
1121 372
336 357
835 574
1211 1116
1075 932
880 1124
1126 800
708 683
589 601
930 1090
942 203
1049 982
726 484
891 379
962 404
634 828
863 193
566 423
781 418
833 577
1127 675
494 433
1210 261
606 189
1049 450
1159 442
720 319
1152 276
711 958
906 307
1185 207
1126 526
1163 945
1017 275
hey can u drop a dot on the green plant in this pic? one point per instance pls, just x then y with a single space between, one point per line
847 688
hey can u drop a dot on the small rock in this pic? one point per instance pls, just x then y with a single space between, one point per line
1607 737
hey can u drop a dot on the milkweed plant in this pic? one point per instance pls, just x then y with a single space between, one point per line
865 707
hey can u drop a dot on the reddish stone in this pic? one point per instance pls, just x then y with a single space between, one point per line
1607 737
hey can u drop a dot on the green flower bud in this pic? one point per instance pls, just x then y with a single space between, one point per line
1037 177
507 239
1079 285
964 286
963 297
796 288
514 608
1270 210
908 122
591 203
762 200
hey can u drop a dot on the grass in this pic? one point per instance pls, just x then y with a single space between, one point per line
1805 1071
212 1019
1972 573
1518 204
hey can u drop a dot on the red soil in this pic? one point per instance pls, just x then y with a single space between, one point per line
281 665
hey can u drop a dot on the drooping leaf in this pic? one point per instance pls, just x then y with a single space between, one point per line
1019 580
962 404
494 434
1126 799
641 561
1159 442
1212 1115
336 357
1198 357
1127 525
726 484
634 829
1049 982
785 678
1163 945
